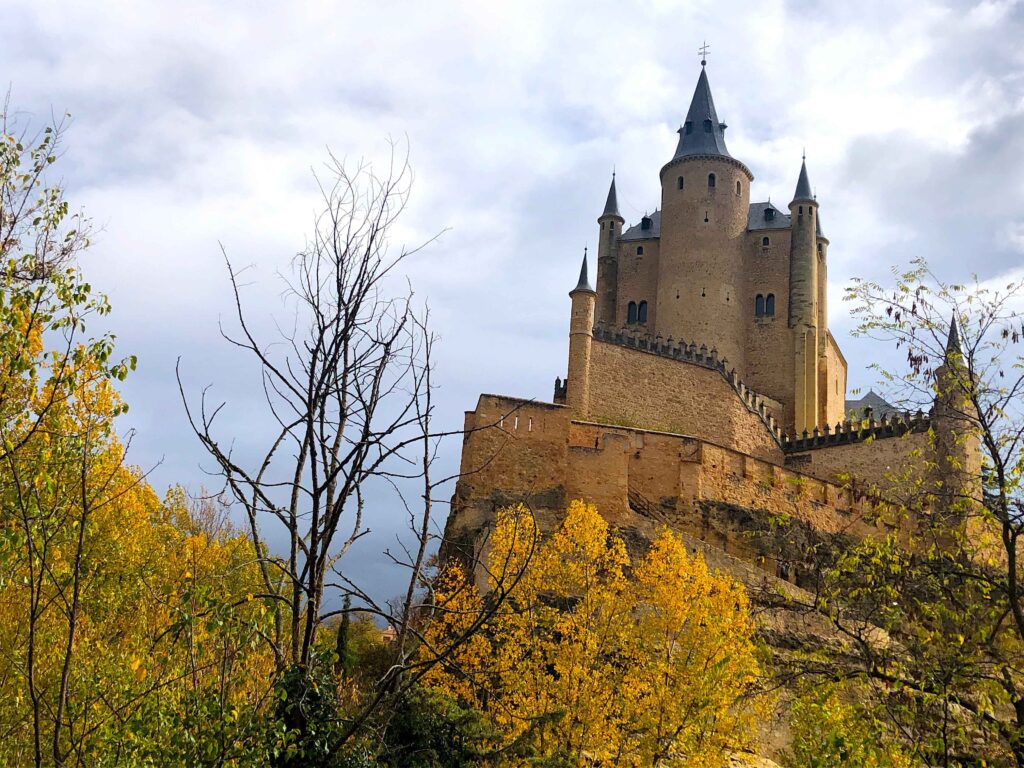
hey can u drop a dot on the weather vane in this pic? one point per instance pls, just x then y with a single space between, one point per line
703 51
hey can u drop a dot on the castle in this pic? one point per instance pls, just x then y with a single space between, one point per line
704 390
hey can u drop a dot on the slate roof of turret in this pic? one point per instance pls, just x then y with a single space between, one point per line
953 341
611 206
702 133
583 284
803 185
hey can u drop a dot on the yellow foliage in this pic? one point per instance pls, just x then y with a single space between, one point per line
593 664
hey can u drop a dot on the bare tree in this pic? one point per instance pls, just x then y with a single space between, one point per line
349 390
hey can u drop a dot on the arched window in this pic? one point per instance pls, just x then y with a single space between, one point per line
679 183
641 312
739 189
765 242
769 305
759 306
639 250
711 180
708 126
631 313
800 211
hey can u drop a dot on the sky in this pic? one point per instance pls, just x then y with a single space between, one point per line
197 126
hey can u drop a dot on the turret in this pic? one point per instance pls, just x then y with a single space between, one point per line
610 223
705 197
581 338
804 285
955 426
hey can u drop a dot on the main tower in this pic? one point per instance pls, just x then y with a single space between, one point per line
705 195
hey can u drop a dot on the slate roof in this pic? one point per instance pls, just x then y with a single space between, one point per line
611 206
637 232
803 185
702 133
583 284
756 218
879 407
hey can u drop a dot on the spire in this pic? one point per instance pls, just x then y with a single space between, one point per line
803 184
817 226
611 206
702 134
953 342
584 281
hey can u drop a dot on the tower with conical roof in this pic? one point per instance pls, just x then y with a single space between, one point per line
705 196
581 338
804 295
610 230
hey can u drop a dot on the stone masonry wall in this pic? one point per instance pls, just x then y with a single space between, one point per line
634 388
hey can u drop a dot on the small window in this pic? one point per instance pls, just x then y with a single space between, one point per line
709 127
821 250
765 242
769 214
688 128
759 306
800 211
639 250
679 183
631 313
711 180
645 222
739 189
769 305
641 312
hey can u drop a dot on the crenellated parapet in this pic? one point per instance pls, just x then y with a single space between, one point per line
695 355
847 432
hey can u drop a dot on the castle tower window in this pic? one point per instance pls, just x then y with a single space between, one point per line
641 312
769 305
711 180
769 214
708 126
645 222
639 250
739 188
765 242
821 250
759 306
688 128
631 313
679 183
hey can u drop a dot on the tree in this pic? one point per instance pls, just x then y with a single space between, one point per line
932 613
350 393
597 661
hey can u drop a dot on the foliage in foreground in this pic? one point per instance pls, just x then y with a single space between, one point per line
597 660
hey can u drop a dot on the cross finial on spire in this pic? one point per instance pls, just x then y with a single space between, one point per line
703 51
804 155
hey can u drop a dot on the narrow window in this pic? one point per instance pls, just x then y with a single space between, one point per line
739 189
769 305
639 250
631 313
765 241
688 128
679 183
800 211
708 126
711 180
759 306
641 312
821 250
769 214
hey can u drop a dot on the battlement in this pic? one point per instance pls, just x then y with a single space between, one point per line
694 355
847 432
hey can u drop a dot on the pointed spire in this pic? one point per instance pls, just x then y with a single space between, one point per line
611 206
953 342
584 282
803 184
702 133
817 226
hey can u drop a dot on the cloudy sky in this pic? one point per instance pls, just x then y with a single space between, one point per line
201 123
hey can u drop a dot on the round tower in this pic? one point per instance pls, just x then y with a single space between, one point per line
804 304
581 339
705 198
610 229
